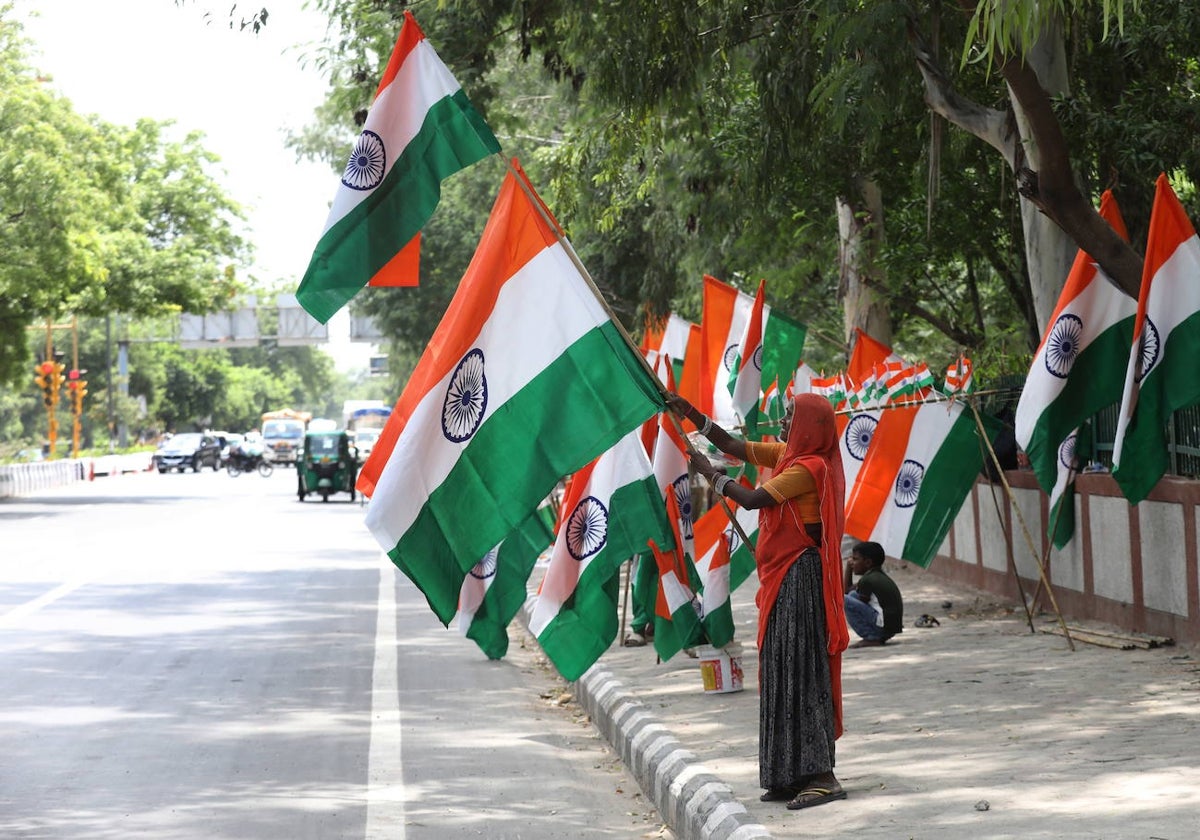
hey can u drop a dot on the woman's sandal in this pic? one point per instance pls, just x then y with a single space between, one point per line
815 795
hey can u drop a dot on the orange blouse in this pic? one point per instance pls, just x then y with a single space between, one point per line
793 483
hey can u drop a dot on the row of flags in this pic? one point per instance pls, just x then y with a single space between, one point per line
1102 348
528 380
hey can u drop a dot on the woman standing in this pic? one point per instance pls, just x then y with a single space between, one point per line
801 620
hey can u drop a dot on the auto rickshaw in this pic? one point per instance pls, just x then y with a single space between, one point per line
329 465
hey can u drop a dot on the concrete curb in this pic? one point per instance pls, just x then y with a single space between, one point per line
691 800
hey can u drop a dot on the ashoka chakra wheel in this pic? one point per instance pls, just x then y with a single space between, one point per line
486 567
1062 345
368 160
683 498
466 398
908 483
859 432
587 528
1150 350
1066 451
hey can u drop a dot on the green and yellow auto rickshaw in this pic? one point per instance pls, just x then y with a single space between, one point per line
329 465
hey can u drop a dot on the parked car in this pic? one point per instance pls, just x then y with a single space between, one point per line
189 450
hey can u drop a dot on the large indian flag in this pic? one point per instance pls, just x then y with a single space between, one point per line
612 509
420 130
921 465
1161 374
495 587
525 380
1077 369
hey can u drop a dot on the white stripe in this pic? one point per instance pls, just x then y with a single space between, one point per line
14 615
539 314
623 464
385 765
397 114
928 433
677 595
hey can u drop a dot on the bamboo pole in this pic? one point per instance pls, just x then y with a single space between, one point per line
1021 518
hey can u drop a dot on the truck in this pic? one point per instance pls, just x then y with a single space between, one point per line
283 434
365 423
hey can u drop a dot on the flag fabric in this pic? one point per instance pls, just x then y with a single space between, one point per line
1160 376
1077 369
921 465
801 382
495 587
855 432
960 378
688 375
772 407
712 567
1072 455
867 353
677 608
487 425
420 129
741 553
745 380
668 337
611 511
725 316
782 346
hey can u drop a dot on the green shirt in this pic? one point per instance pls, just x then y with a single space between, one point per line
875 581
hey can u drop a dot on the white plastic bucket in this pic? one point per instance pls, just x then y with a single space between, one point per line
720 668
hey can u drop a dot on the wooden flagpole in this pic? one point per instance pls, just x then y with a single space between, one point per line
1024 528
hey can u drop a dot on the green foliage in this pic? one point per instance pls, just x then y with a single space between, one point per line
98 218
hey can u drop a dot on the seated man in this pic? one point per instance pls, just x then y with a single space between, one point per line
874 608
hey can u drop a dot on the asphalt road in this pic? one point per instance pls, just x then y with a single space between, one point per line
199 656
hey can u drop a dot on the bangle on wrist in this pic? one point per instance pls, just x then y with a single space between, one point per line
707 427
721 483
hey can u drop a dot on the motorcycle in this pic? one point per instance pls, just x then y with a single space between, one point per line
246 460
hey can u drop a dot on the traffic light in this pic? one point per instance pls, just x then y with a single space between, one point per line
56 379
77 387
43 378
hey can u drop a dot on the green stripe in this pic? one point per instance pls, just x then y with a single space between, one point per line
452 137
1095 382
718 625
514 563
783 345
575 409
1171 384
587 623
948 479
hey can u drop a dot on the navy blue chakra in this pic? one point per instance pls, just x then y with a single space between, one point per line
368 160
466 398
486 567
733 539
1150 349
1066 451
731 356
587 528
683 498
908 483
757 357
859 432
1062 345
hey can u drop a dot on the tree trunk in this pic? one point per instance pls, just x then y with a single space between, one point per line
860 237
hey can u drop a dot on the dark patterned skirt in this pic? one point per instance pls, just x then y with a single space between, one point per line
796 737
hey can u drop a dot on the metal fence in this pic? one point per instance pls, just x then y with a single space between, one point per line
1183 439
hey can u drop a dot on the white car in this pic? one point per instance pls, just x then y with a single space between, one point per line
364 442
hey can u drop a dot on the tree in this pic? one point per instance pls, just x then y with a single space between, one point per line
97 218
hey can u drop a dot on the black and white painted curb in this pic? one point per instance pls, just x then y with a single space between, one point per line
691 800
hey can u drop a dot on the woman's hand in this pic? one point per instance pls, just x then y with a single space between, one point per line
681 407
702 466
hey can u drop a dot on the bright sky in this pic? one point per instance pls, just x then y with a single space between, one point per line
126 59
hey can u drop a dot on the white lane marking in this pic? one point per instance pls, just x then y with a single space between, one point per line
29 607
385 782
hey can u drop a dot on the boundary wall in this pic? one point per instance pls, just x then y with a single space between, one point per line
1133 566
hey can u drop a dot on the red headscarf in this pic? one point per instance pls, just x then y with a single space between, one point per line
812 442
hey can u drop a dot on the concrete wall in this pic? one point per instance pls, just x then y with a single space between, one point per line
1132 566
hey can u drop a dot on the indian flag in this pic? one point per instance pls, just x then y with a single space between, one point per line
420 130
677 608
867 353
712 566
1160 375
1071 453
782 346
745 381
525 380
495 587
741 553
855 432
612 509
921 465
1076 370
723 322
